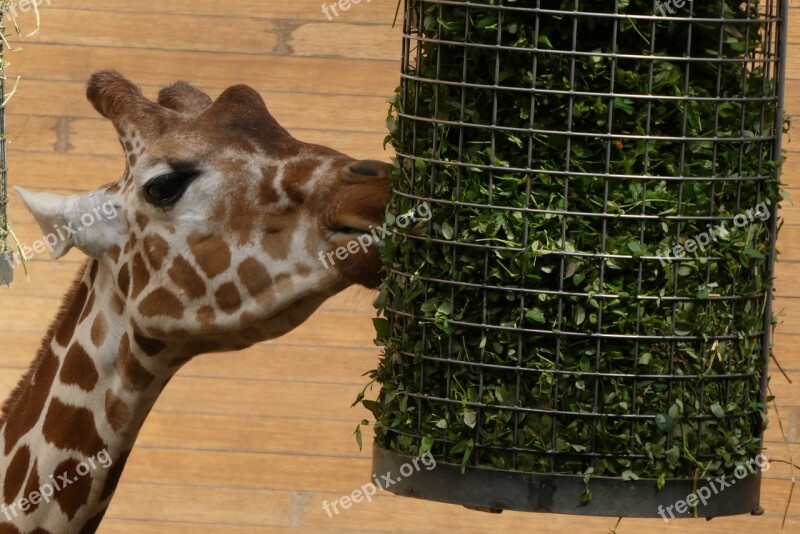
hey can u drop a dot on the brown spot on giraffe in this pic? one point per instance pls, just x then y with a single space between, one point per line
71 315
99 330
297 175
72 428
161 302
27 401
15 476
279 244
142 221
133 374
117 306
78 368
228 298
185 277
151 347
124 279
254 276
207 317
114 253
89 307
156 250
211 253
140 274
268 195
117 412
74 496
302 269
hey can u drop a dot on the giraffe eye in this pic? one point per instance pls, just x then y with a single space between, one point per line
166 190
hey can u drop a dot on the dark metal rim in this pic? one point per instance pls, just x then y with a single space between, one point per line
493 490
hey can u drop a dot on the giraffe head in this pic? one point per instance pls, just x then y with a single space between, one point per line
212 237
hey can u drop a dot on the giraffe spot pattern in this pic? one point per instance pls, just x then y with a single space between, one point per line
133 374
124 279
117 306
297 175
72 427
114 253
151 347
71 315
161 302
228 298
79 369
254 276
117 412
186 278
15 477
207 317
156 250
211 253
31 401
142 220
87 309
73 497
140 274
99 330
279 244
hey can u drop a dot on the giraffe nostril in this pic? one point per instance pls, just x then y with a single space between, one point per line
364 170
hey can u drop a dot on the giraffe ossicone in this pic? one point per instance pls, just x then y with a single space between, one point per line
208 242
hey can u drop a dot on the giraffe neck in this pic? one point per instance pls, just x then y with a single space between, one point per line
69 426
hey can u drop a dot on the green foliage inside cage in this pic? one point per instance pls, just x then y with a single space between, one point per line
546 322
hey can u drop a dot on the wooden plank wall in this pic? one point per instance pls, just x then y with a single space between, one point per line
256 441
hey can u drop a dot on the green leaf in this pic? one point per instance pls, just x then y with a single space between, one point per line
535 315
629 475
665 422
383 328
447 230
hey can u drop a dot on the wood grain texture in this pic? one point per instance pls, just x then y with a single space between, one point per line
254 442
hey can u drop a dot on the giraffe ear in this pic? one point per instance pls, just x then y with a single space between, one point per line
88 222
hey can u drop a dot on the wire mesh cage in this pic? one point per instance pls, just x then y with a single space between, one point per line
6 270
584 323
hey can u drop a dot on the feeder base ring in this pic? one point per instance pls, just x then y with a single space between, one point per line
488 489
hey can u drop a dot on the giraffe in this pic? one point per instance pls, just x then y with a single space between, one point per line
220 216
